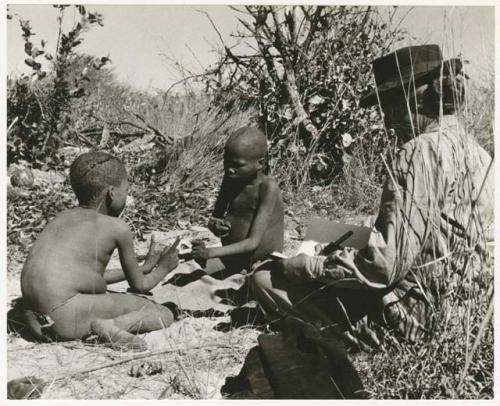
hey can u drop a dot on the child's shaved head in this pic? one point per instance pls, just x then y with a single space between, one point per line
248 141
92 172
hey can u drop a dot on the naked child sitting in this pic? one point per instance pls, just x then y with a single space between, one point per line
248 214
64 276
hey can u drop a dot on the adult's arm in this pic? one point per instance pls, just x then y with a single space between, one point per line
407 215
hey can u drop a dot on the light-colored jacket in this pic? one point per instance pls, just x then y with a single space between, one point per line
436 210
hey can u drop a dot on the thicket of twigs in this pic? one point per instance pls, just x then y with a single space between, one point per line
301 85
305 68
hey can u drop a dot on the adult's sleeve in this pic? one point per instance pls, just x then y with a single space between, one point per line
407 216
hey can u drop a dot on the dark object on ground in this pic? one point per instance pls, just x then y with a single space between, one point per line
249 315
28 387
180 314
29 324
21 176
252 382
181 280
146 368
300 363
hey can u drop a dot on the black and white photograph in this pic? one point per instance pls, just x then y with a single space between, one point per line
249 201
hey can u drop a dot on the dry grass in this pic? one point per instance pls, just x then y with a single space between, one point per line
186 374
457 363
202 130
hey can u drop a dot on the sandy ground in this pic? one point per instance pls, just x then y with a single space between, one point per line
185 373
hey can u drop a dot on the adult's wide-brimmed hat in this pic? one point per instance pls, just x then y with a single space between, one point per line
398 68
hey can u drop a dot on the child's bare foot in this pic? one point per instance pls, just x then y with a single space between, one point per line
117 338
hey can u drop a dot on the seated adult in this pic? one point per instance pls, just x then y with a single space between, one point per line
436 209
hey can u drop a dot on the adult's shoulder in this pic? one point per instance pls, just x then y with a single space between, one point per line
439 139
420 143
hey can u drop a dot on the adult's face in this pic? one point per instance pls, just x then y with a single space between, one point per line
399 118
401 114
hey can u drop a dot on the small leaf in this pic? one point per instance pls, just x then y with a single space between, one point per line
25 24
346 140
27 47
99 64
36 52
48 57
316 99
81 9
78 92
30 62
26 27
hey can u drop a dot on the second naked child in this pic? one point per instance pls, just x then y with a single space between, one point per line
248 214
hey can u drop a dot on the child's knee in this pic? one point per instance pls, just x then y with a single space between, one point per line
165 315
67 328
261 281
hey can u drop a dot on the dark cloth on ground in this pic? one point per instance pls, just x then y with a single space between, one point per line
299 363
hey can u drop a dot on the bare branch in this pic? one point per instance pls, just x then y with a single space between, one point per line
213 25
313 26
234 8
168 139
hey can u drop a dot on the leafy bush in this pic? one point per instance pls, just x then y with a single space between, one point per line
309 69
39 105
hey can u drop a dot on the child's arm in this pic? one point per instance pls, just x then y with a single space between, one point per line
139 282
269 193
221 202
117 275
217 225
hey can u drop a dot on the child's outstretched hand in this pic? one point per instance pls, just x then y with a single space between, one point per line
219 227
199 251
170 256
155 250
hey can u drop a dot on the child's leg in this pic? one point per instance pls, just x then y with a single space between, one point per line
112 316
221 268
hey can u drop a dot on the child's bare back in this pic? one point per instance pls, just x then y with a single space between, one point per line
69 257
65 274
